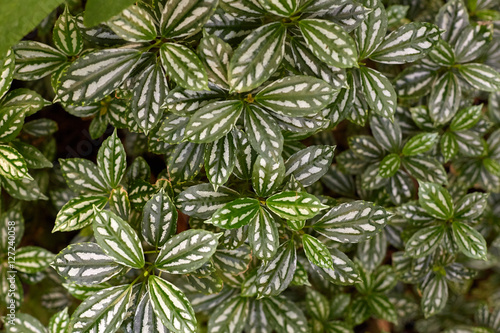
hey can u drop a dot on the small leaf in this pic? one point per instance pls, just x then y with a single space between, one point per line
263 132
373 29
235 214
22 322
183 18
414 82
379 92
78 213
469 240
284 315
295 206
145 319
435 200
263 235
420 143
35 60
448 145
185 161
202 201
12 164
435 295
425 169
425 241
444 100
442 54
452 18
344 271
32 259
111 160
215 54
283 8
66 35
7 65
33 157
310 164
382 308
230 316
220 161
317 305
471 206
159 219
466 118
59 322
480 76
133 24
472 43
389 166
234 261
317 252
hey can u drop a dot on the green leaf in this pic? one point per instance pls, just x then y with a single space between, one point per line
12 164
452 18
480 76
435 295
172 129
145 319
425 241
389 166
414 81
183 66
382 308
296 95
372 30
78 213
184 18
202 201
23 189
466 118
352 222
213 121
234 261
185 161
283 8
372 252
329 42
448 145
111 160
472 42
215 55
148 96
296 206
102 312
317 305
32 259
96 74
235 214
119 203
159 219
257 57
35 60
344 271
442 54
263 132
230 316
24 100
24 323
187 251
316 252
420 143
59 322
97 12
469 143
444 100
275 275
387 133
469 240
220 161
117 238
33 157
425 169
379 92
435 200
310 164
40 127
284 315
171 306
7 65
263 235
471 206
66 34
85 264
133 24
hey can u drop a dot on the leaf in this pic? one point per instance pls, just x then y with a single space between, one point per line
425 241
352 222
96 74
97 12
372 252
187 251
185 161
435 200
435 296
296 206
33 157
24 323
59 322
344 271
414 81
117 239
12 164
7 65
471 206
220 161
215 54
386 133
296 95
379 93
407 44
317 305
213 121
469 240
382 308
275 275
85 264
283 8
229 316
103 312
32 259
145 319
148 96
78 212
263 235
159 219
420 143
469 143
111 160
444 100
66 35
310 164
448 145
480 76
472 43
453 18
35 60
183 66
372 30
257 57
234 261
133 24
284 315
202 201
183 18
235 214
316 252
329 42
23 189
389 166
425 169
223 24
263 132
466 118
172 129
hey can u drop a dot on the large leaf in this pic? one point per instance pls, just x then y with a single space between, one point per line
452 18
117 238
35 60
280 7
215 55
310 164
284 315
295 206
230 316
96 74
183 18
444 100
267 175
220 161
257 57
171 306
145 319
263 132
32 259
317 252
435 296
329 42
12 164
425 241
481 76
379 92
159 219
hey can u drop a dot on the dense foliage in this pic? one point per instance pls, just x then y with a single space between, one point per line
265 166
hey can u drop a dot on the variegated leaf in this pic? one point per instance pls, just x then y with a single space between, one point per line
148 96
78 213
185 102
35 60
283 8
85 264
213 121
480 76
329 42
229 27
382 308
389 165
12 164
435 293
7 65
133 24
442 54
24 323
59 322
82 176
32 259
284 314
145 319
230 316
117 238
119 203
420 143
407 44
310 164
453 18
112 161
185 161
215 55
263 132
102 312
275 275
425 169
96 74
187 251
33 157
471 206
296 206
372 30
257 57
172 129
317 305
23 189
233 262
472 43
296 96
243 8
379 92
466 118
469 241
202 201
183 66
425 241
317 252
67 36
352 222
235 214
444 100
267 175
159 219
435 200
263 235
184 18
414 81
448 145
220 161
